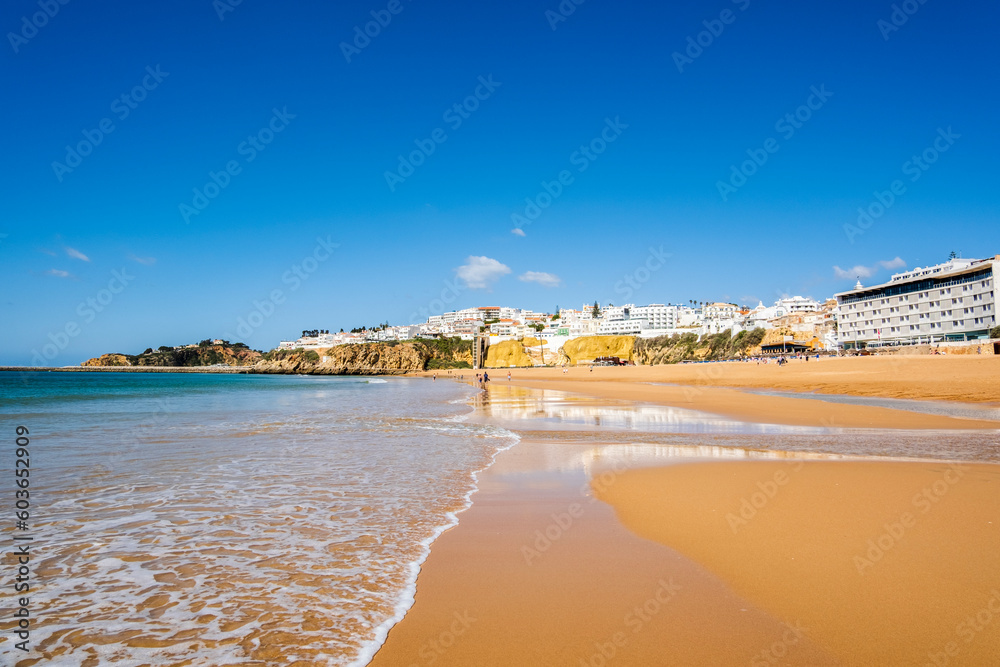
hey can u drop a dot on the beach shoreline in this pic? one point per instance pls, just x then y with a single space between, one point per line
576 599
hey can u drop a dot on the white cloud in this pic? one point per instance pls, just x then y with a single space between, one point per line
76 254
855 271
861 271
890 264
543 279
142 260
517 231
58 274
481 272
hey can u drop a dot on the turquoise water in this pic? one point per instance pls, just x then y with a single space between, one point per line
229 518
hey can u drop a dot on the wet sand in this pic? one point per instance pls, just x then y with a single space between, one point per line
539 572
713 562
760 409
966 378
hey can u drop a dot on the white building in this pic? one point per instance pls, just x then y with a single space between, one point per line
761 316
796 304
619 321
318 339
658 316
954 301
688 316
720 311
507 327
654 319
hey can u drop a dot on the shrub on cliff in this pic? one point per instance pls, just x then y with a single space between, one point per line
444 346
277 355
688 347
443 364
443 353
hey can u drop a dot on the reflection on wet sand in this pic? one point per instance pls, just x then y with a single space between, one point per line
663 434
507 405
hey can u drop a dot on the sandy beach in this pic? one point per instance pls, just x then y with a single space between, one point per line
574 553
966 378
882 563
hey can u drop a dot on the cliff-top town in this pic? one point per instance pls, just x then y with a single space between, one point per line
949 302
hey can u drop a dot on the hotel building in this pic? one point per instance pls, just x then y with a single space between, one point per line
954 301
630 319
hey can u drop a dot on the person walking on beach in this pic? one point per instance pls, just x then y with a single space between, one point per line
508 376
486 377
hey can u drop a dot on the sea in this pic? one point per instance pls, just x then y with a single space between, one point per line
211 519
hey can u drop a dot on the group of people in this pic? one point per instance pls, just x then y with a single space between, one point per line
481 378
783 359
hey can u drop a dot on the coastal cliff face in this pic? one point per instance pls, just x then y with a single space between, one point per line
108 360
370 358
507 354
691 347
587 348
362 359
529 352
207 355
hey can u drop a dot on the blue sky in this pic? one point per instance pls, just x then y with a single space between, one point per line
645 141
